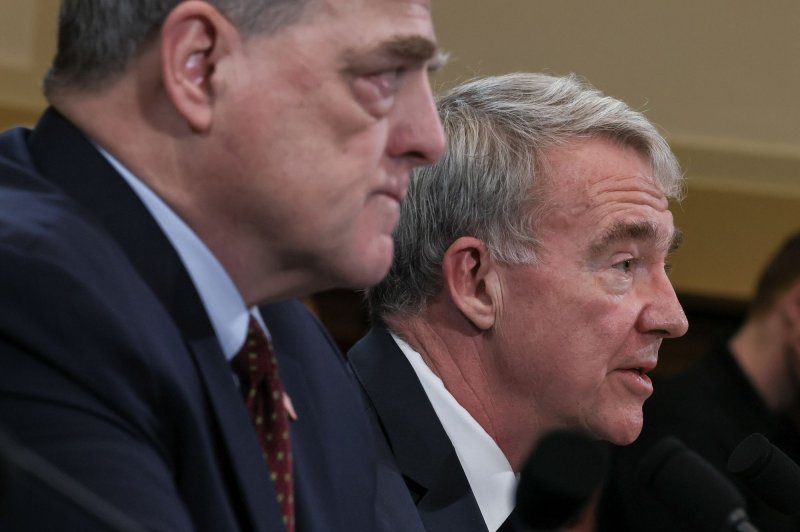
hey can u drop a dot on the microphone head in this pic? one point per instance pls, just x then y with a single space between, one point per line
766 470
558 479
689 486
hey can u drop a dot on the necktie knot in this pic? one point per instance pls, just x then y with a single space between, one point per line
256 360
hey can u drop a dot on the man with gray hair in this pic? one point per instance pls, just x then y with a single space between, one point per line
528 291
201 162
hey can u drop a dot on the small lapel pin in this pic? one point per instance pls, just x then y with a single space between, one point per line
287 404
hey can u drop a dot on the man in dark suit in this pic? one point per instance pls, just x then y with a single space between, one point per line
200 159
528 291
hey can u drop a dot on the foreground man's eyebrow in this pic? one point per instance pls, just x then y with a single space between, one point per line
412 48
409 49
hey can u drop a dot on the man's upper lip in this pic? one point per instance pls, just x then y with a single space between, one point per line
643 366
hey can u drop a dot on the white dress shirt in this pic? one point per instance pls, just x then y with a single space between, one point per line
488 472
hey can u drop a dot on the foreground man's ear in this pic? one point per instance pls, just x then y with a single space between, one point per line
194 38
471 282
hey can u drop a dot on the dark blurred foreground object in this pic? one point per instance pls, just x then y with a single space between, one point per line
767 471
25 474
559 478
692 489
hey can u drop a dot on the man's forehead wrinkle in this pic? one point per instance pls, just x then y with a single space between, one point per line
640 192
637 182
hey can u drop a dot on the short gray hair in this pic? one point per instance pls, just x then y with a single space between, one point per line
98 38
485 186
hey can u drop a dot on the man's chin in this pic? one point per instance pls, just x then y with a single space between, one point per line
628 438
373 267
623 433
365 276
376 277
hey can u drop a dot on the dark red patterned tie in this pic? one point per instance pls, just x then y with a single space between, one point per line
264 395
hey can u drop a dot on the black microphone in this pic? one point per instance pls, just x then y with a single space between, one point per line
558 479
692 488
766 470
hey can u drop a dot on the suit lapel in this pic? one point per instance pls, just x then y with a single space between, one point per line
66 158
423 452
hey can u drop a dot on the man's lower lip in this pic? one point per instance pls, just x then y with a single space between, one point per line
392 196
637 381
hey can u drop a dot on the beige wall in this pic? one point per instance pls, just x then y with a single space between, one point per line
739 208
27 40
729 236
720 77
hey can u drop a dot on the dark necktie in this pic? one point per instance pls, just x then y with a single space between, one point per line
263 392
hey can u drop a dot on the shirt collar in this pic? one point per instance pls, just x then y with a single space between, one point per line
487 469
224 305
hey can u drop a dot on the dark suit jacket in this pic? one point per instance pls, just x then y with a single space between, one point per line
109 366
405 418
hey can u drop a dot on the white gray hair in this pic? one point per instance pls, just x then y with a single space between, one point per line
487 184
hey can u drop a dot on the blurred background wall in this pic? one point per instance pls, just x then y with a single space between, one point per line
721 78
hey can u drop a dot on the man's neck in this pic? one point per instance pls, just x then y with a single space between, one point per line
456 353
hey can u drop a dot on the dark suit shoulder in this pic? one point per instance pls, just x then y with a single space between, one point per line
416 444
94 376
85 358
